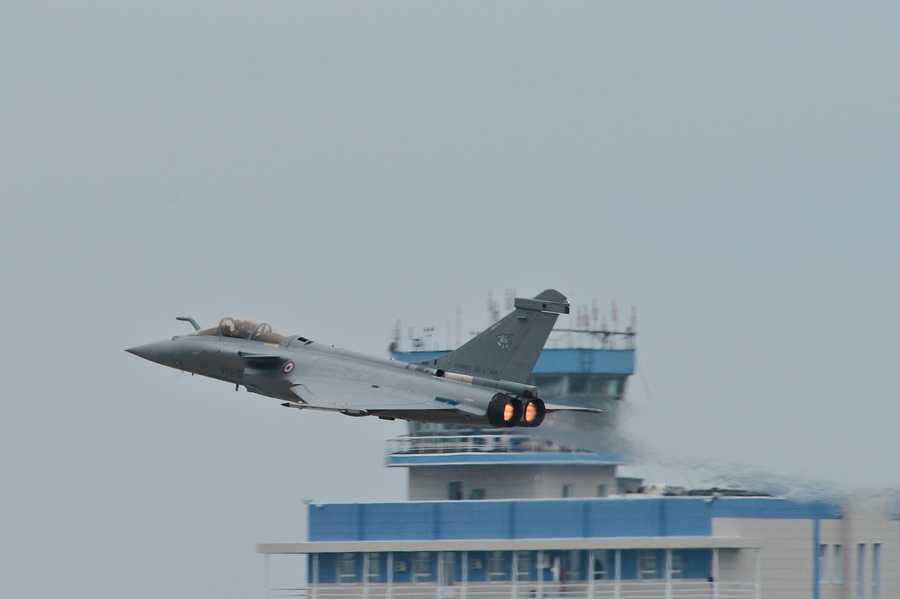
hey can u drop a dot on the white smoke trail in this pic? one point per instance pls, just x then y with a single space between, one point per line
607 436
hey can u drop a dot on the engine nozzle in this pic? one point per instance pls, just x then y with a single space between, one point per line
505 411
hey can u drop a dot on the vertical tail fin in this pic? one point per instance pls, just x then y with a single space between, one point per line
509 349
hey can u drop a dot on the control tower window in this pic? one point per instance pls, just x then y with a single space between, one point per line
523 565
578 383
570 562
347 568
496 566
600 558
431 428
615 387
837 572
823 563
677 566
373 569
647 565
454 491
549 385
422 566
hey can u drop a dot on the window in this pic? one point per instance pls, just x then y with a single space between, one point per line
421 566
837 565
417 428
578 383
598 385
476 494
823 563
647 565
568 490
600 559
677 566
876 571
496 566
347 568
861 571
615 387
550 385
601 491
373 569
454 490
448 568
523 565
543 560
626 485
571 566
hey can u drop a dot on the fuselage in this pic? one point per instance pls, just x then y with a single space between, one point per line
310 375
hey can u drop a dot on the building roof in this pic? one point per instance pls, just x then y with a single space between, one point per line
512 545
637 516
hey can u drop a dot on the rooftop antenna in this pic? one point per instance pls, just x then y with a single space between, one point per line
493 309
394 347
595 313
605 330
632 328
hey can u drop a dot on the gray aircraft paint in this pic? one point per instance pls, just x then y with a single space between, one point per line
510 348
481 383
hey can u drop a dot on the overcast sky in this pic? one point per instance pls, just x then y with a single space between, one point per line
729 168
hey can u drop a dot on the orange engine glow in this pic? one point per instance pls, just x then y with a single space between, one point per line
504 411
534 413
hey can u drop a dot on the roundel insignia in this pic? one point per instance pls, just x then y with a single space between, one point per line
288 367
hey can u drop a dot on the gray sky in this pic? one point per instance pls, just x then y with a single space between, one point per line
731 169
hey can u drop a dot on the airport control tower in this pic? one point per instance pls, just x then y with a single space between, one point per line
584 364
512 513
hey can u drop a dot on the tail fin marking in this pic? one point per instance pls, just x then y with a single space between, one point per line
509 349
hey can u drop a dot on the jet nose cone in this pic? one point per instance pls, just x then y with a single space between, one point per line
151 351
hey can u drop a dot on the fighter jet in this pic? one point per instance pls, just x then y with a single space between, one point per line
483 383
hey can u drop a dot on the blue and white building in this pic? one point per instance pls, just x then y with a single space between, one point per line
496 514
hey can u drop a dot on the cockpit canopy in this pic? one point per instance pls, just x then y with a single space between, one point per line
242 327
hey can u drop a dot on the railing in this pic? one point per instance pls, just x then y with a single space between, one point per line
693 589
475 444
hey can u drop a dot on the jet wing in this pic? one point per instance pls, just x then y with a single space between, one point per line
355 397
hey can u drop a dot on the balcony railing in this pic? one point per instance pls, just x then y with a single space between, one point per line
501 443
601 589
